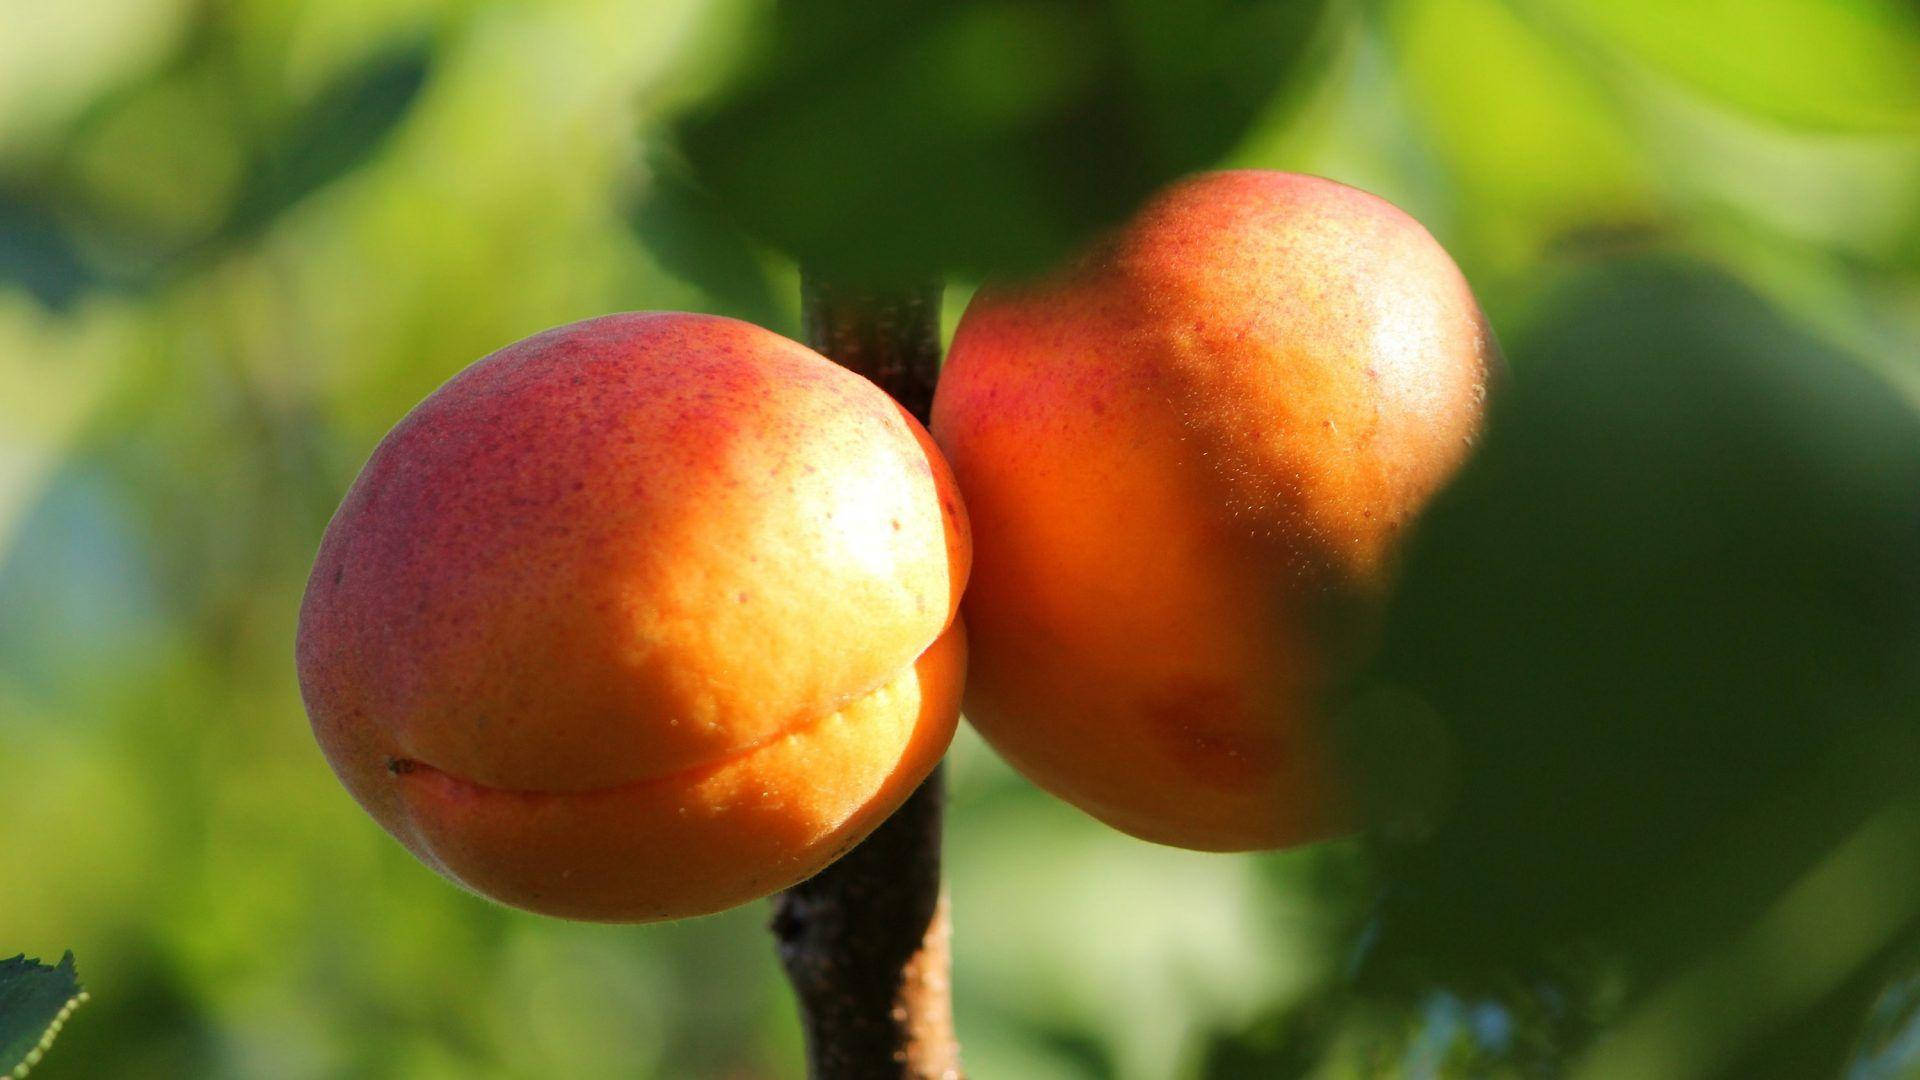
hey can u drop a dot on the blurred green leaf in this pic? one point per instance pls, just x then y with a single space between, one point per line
1283 1045
1680 570
156 178
342 127
1669 615
181 124
35 1001
1534 143
897 141
1771 1003
1889 1043
684 228
39 254
1840 64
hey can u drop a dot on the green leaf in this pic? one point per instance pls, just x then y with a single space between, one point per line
35 1001
1668 615
900 140
338 131
39 253
1533 142
689 235
1829 64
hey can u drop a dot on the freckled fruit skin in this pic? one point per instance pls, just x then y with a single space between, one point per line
1188 461
639 618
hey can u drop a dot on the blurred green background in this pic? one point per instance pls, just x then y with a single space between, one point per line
1644 730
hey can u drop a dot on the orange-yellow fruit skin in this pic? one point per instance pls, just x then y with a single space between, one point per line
1188 462
640 618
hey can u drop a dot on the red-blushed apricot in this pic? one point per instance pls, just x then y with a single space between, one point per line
639 618
1188 461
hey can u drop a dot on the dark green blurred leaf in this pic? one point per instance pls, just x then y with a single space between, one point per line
1511 1032
39 254
1670 615
1284 1045
900 140
347 121
1868 1029
687 232
35 1001
1077 1049
61 236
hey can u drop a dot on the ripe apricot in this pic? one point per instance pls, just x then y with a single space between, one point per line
1188 460
639 618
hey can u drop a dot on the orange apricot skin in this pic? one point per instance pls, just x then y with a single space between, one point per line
639 618
1189 460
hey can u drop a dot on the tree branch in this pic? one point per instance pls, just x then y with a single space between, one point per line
890 336
865 941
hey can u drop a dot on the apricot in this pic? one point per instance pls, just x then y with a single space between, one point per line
1189 459
639 618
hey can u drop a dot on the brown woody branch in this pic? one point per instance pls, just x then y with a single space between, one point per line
865 941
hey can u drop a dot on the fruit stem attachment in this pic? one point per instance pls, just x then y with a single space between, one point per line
865 941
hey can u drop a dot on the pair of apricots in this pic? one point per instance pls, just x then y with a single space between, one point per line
653 614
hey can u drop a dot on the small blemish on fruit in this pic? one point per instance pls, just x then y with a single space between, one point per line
399 766
896 524
1207 730
338 573
740 597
